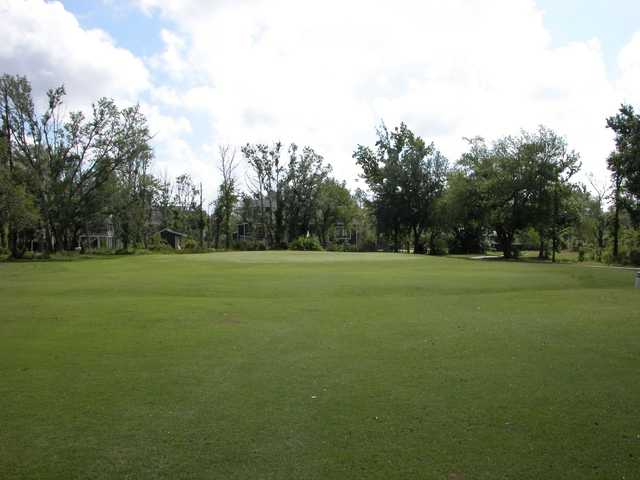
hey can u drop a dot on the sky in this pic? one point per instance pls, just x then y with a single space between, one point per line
326 74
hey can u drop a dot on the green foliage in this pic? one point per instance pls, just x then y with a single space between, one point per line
190 244
159 244
461 214
406 176
581 254
310 243
439 246
249 245
72 167
630 247
267 181
625 162
521 182
301 191
335 205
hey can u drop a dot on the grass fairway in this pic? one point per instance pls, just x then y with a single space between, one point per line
277 365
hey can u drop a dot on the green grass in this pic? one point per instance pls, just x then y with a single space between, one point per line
290 365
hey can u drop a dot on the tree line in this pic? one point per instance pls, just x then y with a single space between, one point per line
65 176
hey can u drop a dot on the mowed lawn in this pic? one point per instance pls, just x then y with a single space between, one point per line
281 365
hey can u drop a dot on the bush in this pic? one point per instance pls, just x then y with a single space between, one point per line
628 249
368 246
341 247
158 244
98 251
440 246
248 245
280 246
311 243
190 244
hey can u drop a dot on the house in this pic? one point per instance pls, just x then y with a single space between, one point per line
172 237
249 212
100 235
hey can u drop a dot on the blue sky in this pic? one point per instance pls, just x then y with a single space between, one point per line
213 72
124 21
612 21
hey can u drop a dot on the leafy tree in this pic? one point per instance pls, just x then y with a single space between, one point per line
335 204
18 210
133 189
499 176
266 185
625 163
227 194
305 175
69 158
553 167
462 202
406 177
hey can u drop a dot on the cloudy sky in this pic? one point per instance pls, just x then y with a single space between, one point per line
325 73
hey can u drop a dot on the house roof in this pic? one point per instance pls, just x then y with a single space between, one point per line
173 232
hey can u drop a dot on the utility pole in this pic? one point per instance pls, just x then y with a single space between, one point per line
201 220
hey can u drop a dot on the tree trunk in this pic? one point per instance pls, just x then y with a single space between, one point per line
227 228
216 237
417 247
541 254
554 231
48 240
506 242
278 218
396 239
616 219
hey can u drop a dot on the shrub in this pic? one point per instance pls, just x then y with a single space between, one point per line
581 254
190 244
98 251
311 243
367 246
248 245
628 249
340 247
440 246
158 244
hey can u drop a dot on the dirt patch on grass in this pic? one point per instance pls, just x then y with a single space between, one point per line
230 319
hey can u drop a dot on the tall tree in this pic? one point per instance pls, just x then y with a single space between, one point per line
598 214
553 167
265 183
306 172
227 191
335 204
406 176
625 163
69 157
500 176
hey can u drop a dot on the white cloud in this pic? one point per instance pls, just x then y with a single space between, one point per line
46 43
171 60
629 65
325 73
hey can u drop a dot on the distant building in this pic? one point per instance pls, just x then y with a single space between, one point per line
249 211
100 236
172 237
